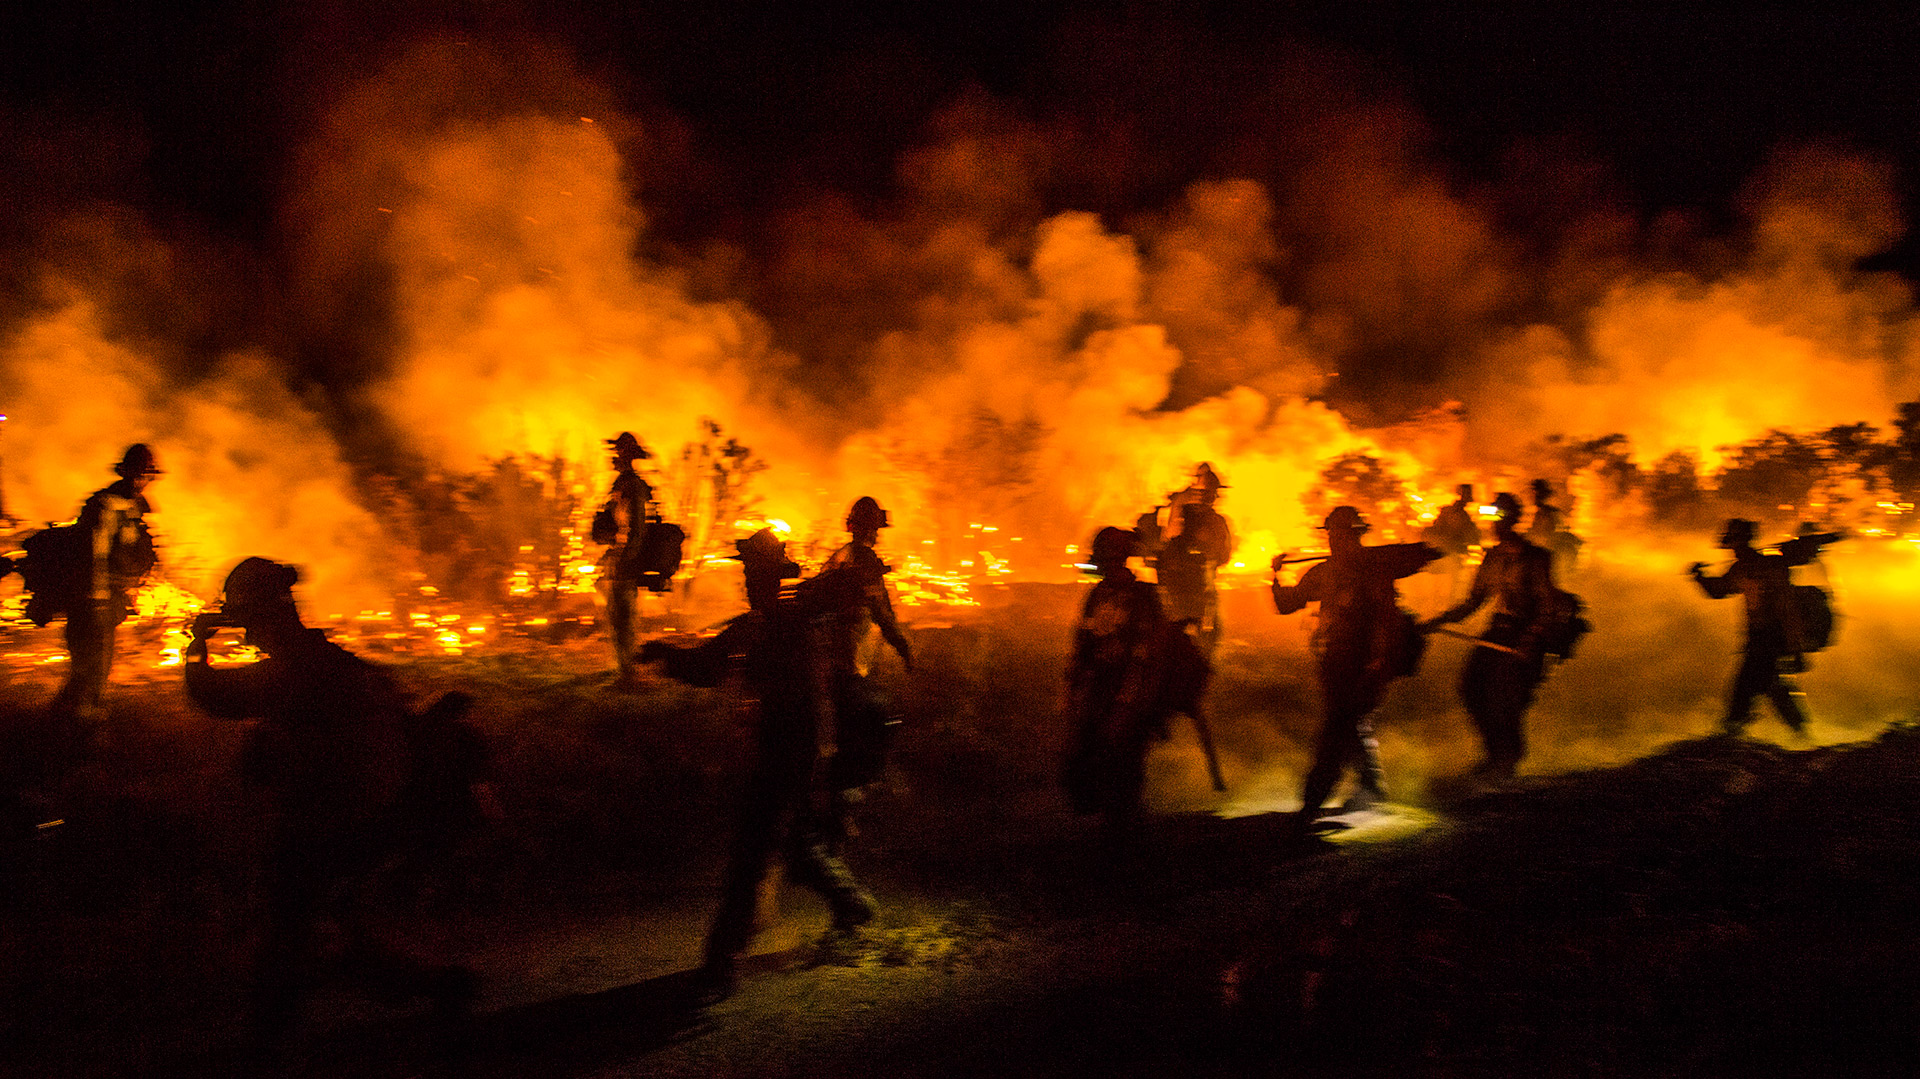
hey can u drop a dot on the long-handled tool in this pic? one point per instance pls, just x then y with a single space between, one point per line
1278 562
1481 641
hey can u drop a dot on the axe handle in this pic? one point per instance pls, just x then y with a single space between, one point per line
1481 641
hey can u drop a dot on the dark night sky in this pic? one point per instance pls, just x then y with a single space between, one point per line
1683 99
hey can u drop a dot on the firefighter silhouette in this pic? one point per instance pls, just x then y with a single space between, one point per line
1364 641
115 552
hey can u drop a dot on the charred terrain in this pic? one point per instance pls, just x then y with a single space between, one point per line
1652 901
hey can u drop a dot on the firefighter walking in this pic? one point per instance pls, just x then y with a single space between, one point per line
784 808
850 594
1114 689
622 524
343 763
118 553
1190 556
1499 680
1778 635
1364 641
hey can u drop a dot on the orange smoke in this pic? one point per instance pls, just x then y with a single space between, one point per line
248 467
481 218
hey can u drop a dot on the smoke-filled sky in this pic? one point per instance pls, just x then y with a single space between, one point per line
1022 263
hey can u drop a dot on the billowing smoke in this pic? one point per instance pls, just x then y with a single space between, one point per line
249 466
1789 336
475 270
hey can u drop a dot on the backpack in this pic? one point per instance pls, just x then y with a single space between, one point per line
1147 528
605 529
838 589
1182 566
1813 609
1566 623
55 570
659 556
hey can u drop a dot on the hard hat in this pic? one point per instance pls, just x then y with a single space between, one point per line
1507 505
1542 488
866 514
1207 478
258 584
1739 530
764 550
1465 491
1344 518
138 461
1113 546
627 447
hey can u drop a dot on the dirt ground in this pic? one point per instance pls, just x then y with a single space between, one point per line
1649 901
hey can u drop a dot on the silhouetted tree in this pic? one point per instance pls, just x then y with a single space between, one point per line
1360 480
1772 478
1673 492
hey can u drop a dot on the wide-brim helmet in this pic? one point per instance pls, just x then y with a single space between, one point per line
628 448
866 514
138 461
765 551
1113 546
1507 507
1345 519
258 585
1739 530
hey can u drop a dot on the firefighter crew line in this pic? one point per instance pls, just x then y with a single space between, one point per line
364 783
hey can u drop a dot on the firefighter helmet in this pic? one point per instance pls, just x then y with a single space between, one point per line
1345 519
1739 531
765 550
628 448
1113 546
258 584
866 515
1507 506
138 461
762 546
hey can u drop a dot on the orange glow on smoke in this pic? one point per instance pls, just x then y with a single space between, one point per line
1030 383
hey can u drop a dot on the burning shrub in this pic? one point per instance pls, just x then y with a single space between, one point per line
707 488
1771 476
1360 480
